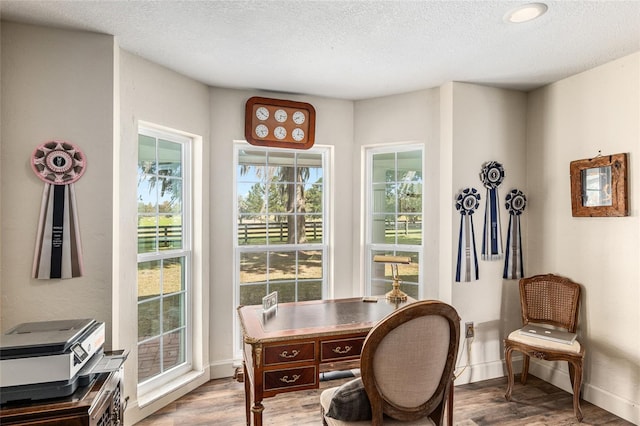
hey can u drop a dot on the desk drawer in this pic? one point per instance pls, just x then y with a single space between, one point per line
334 350
290 378
294 352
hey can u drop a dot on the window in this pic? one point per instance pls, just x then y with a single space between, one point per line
281 227
164 256
394 216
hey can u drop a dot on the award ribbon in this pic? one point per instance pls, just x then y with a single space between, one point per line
58 252
515 202
492 175
467 202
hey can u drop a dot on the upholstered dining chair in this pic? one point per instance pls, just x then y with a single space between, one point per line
553 300
406 366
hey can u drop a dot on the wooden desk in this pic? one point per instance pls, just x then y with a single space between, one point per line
285 352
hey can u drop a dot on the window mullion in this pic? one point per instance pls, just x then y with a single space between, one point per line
169 156
281 177
397 163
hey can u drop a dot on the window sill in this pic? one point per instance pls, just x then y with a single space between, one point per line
164 390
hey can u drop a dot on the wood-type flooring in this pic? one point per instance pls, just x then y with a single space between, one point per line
221 403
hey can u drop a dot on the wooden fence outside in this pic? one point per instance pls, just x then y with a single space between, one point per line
170 236
277 230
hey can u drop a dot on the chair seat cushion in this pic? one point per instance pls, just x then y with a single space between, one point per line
516 336
326 398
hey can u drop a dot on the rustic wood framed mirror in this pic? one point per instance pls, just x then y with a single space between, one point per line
599 186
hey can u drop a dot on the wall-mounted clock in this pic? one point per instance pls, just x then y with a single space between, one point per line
279 123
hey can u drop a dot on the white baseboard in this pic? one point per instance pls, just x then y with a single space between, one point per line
222 369
621 407
485 371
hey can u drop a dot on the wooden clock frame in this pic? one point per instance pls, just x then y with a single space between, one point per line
273 105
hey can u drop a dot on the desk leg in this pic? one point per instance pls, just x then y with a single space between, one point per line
247 394
257 410
251 407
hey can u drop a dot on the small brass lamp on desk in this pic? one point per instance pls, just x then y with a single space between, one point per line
395 295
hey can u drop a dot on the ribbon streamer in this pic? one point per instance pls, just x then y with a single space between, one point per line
515 203
58 252
492 175
467 202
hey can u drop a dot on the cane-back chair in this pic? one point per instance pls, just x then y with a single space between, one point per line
552 300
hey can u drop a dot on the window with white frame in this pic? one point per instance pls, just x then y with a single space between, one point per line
281 224
164 256
394 208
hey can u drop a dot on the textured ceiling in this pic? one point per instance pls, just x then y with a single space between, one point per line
353 49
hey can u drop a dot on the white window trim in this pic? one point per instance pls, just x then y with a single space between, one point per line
327 251
369 247
152 385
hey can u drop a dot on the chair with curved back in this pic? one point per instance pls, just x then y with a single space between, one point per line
407 367
553 300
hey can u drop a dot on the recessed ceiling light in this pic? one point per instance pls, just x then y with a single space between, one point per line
525 13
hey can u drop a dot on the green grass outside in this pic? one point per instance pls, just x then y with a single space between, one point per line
253 275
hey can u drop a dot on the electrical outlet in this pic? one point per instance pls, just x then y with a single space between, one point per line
469 331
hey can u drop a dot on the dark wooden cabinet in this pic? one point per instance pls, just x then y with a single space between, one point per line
98 404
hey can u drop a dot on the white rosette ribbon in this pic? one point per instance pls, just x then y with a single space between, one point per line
58 251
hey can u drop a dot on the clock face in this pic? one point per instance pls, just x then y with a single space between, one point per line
298 117
297 134
280 115
262 113
279 123
262 131
280 132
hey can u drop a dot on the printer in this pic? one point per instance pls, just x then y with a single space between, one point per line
50 359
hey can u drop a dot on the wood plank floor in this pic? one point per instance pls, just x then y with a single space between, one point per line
221 402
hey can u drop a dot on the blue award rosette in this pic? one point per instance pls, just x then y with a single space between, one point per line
467 202
515 203
492 175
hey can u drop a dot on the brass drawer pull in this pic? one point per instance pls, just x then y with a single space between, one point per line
294 378
346 350
285 354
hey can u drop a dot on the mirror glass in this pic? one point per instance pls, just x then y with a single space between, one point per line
596 187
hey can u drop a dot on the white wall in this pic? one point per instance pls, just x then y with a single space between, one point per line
404 118
55 85
80 87
462 127
535 136
487 124
334 127
598 110
153 94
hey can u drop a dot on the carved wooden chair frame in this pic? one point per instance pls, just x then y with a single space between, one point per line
559 311
434 407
